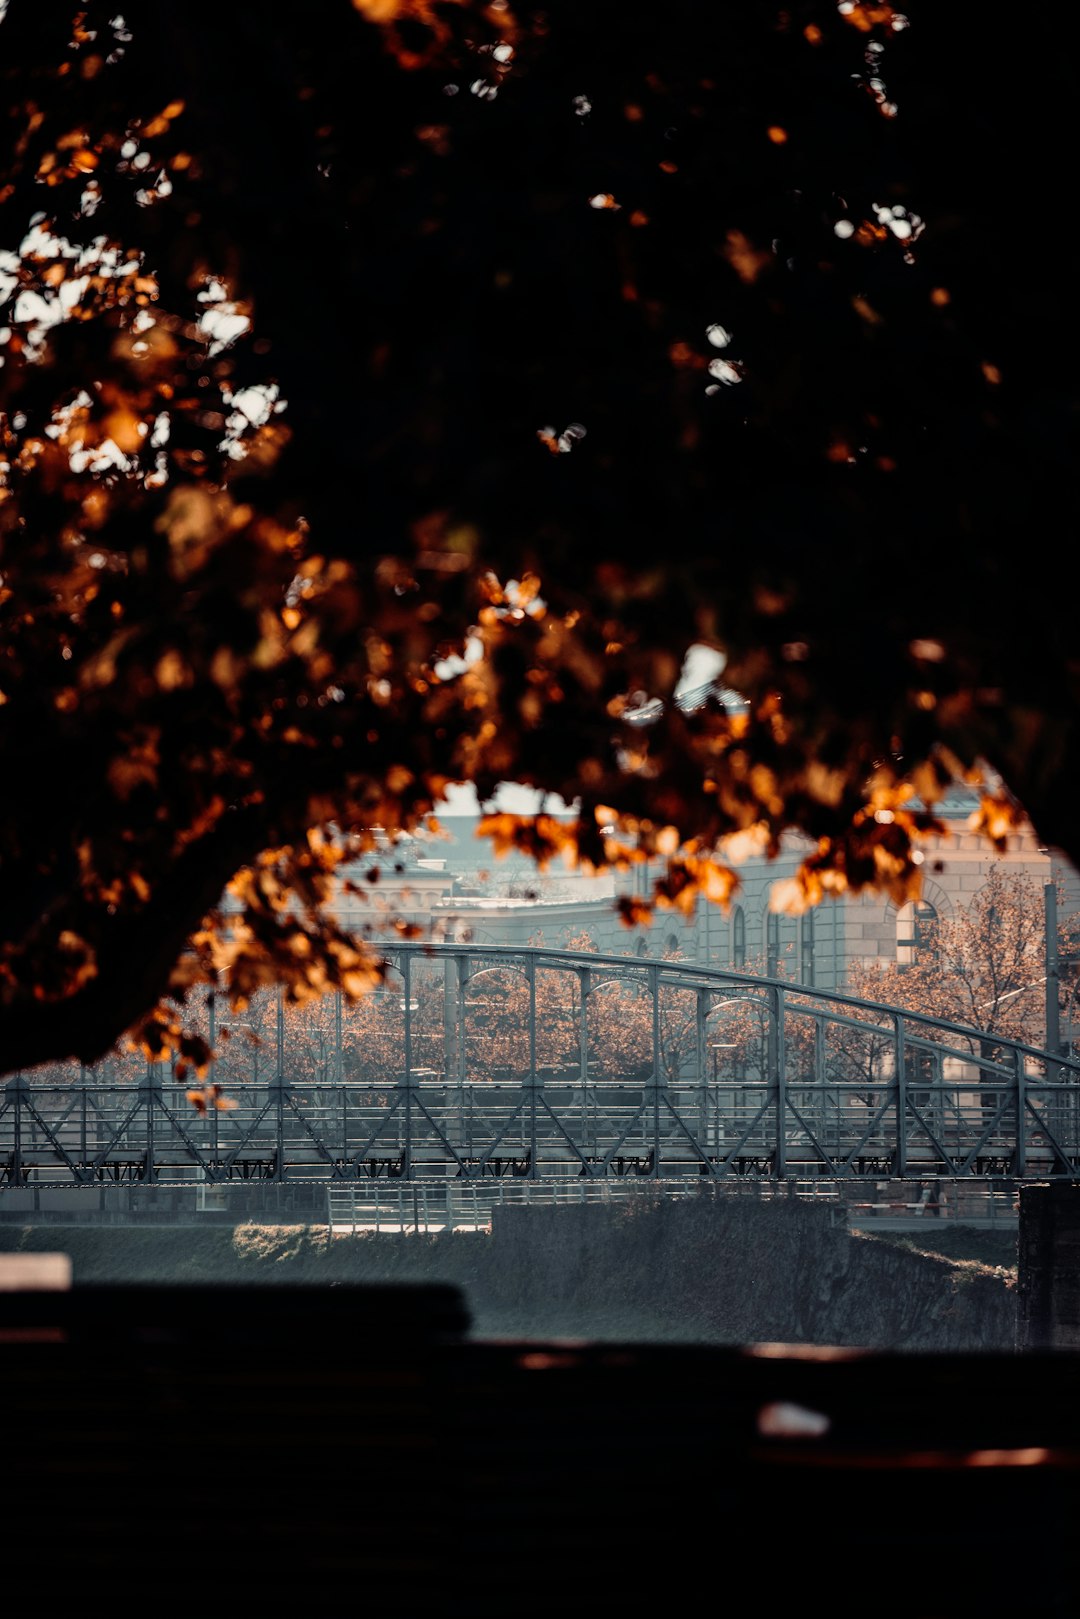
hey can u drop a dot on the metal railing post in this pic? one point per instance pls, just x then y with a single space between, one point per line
19 1088
657 1067
900 1060
464 1130
82 1113
211 1013
406 976
279 1086
151 1098
451 975
778 1077
701 1013
584 987
1020 1165
530 974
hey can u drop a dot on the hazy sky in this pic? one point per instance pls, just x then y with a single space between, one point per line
700 665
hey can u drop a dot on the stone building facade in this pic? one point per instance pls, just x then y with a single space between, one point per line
454 889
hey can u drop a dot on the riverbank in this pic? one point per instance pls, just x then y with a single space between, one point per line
724 1273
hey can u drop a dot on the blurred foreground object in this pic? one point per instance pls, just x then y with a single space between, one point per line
414 433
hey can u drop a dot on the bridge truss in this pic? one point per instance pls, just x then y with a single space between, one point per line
494 1062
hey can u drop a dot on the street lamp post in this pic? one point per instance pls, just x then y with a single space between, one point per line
1070 1045
1053 970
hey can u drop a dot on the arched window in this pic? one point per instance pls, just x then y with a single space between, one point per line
914 931
642 948
738 937
806 948
672 946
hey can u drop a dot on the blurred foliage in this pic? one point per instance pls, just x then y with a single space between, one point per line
392 392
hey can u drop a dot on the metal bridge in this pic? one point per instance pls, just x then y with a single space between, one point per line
490 1064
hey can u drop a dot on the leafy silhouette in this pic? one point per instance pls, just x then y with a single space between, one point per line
392 393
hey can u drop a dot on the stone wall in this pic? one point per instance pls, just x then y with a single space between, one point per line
732 1270
725 1271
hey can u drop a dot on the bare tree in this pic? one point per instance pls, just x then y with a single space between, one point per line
985 967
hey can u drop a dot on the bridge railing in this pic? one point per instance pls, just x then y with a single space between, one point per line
818 1086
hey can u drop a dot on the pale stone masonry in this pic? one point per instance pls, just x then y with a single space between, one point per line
456 890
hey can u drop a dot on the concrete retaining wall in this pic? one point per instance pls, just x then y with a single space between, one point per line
712 1271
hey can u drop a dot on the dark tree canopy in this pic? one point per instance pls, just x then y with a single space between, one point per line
338 340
